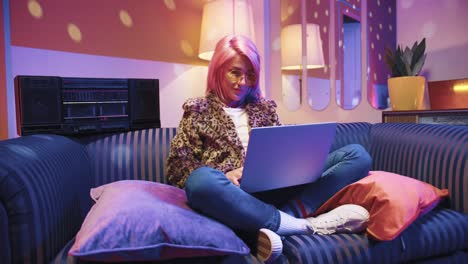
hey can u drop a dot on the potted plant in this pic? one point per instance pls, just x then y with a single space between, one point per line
406 87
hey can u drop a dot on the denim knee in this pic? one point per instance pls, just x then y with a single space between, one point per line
361 155
201 182
361 159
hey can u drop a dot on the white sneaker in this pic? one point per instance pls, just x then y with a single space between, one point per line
348 218
269 245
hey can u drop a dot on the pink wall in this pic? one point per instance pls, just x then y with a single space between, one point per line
143 29
444 24
41 45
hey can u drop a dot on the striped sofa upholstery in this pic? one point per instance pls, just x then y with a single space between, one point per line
134 155
45 182
436 154
44 193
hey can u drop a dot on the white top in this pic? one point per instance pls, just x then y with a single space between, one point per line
240 120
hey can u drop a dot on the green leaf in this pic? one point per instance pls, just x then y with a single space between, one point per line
418 66
418 52
400 66
389 58
407 56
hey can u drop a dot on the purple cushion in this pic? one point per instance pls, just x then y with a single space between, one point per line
141 220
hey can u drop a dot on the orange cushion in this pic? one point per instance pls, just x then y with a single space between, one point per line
393 201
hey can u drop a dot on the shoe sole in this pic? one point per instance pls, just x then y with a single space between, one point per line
264 246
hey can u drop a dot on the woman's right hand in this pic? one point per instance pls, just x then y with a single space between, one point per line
235 176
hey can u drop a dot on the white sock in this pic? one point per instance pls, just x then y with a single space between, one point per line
290 225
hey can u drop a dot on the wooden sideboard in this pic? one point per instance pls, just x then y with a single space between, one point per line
452 116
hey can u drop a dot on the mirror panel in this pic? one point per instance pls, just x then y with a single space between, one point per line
291 90
381 32
318 80
313 85
348 85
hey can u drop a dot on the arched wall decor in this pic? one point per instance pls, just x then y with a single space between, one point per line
343 78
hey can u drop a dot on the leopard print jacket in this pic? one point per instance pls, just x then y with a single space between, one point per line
207 137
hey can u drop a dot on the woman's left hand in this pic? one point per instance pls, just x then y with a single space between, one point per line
235 176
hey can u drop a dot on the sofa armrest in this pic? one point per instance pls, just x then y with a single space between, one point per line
4 238
44 185
436 154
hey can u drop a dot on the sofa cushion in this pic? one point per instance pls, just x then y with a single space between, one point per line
136 220
439 232
393 201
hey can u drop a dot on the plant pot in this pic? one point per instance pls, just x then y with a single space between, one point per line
406 93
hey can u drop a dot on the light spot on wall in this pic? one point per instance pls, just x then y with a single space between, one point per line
318 2
178 70
380 25
35 9
125 18
186 48
380 57
390 27
340 43
375 76
287 14
370 28
406 3
276 44
378 37
372 45
315 14
429 29
74 32
324 29
326 12
370 14
170 4
378 2
389 9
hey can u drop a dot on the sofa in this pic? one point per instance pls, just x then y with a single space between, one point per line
45 183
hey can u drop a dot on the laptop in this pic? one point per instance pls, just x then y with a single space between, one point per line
283 156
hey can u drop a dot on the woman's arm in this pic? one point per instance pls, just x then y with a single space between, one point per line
185 150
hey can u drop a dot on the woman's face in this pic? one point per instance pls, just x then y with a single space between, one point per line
238 78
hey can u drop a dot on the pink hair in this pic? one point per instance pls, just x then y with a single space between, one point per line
226 49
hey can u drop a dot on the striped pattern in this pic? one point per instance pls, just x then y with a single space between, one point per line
43 186
352 133
436 154
439 232
134 155
43 178
63 258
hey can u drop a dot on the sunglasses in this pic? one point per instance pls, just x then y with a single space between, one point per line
235 76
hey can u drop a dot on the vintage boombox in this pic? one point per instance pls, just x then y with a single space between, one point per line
70 106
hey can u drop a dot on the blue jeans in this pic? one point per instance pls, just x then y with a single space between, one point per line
210 192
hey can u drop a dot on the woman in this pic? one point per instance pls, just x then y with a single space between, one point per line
207 154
